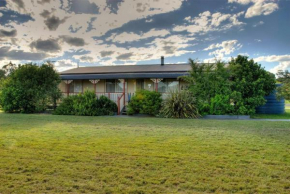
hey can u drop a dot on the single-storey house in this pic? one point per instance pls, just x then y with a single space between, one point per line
119 83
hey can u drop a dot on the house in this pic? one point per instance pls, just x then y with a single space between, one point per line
119 83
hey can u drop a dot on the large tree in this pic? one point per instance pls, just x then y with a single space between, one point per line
251 83
284 90
235 88
30 88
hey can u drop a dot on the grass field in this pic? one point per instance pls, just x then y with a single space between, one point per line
63 154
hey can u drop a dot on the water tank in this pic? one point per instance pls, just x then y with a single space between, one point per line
272 106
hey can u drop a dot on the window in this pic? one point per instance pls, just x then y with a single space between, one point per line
110 86
168 85
140 84
76 86
114 86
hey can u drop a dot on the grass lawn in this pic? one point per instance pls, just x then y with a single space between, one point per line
62 154
286 115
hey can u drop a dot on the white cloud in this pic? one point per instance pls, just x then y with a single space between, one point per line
206 22
65 64
5 62
87 26
283 60
282 66
224 48
259 7
130 37
1 14
258 24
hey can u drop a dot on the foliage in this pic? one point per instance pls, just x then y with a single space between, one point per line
9 68
106 106
220 105
209 83
2 74
66 107
251 83
145 102
283 91
179 105
86 104
29 89
237 88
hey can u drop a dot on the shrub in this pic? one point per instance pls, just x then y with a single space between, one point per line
251 83
180 105
66 107
236 89
86 104
106 106
29 88
206 81
145 102
220 105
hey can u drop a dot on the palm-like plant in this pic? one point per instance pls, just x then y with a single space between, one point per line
180 105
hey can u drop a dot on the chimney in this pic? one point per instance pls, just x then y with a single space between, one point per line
162 60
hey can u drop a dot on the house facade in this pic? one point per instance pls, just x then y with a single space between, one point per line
119 83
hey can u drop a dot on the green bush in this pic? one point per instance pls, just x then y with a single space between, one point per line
106 106
179 105
220 105
237 88
66 107
86 104
145 102
29 89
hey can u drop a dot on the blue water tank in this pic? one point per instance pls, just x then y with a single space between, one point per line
272 106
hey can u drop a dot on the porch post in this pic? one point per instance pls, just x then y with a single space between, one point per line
124 85
156 81
67 82
94 82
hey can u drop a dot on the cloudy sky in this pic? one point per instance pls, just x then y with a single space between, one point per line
126 32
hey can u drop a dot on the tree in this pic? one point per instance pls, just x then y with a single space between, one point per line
30 89
237 88
284 90
2 74
251 83
206 81
9 68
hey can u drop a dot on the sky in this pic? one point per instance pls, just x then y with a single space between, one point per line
128 32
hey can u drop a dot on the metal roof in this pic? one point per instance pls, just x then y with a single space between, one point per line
122 76
127 72
128 69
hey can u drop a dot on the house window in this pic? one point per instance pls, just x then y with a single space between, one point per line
76 86
168 85
140 84
114 86
110 86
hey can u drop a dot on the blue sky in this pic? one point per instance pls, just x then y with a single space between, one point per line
127 32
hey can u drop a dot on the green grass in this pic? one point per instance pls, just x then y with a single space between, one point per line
286 115
68 154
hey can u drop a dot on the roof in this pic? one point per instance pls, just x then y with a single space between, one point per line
127 71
